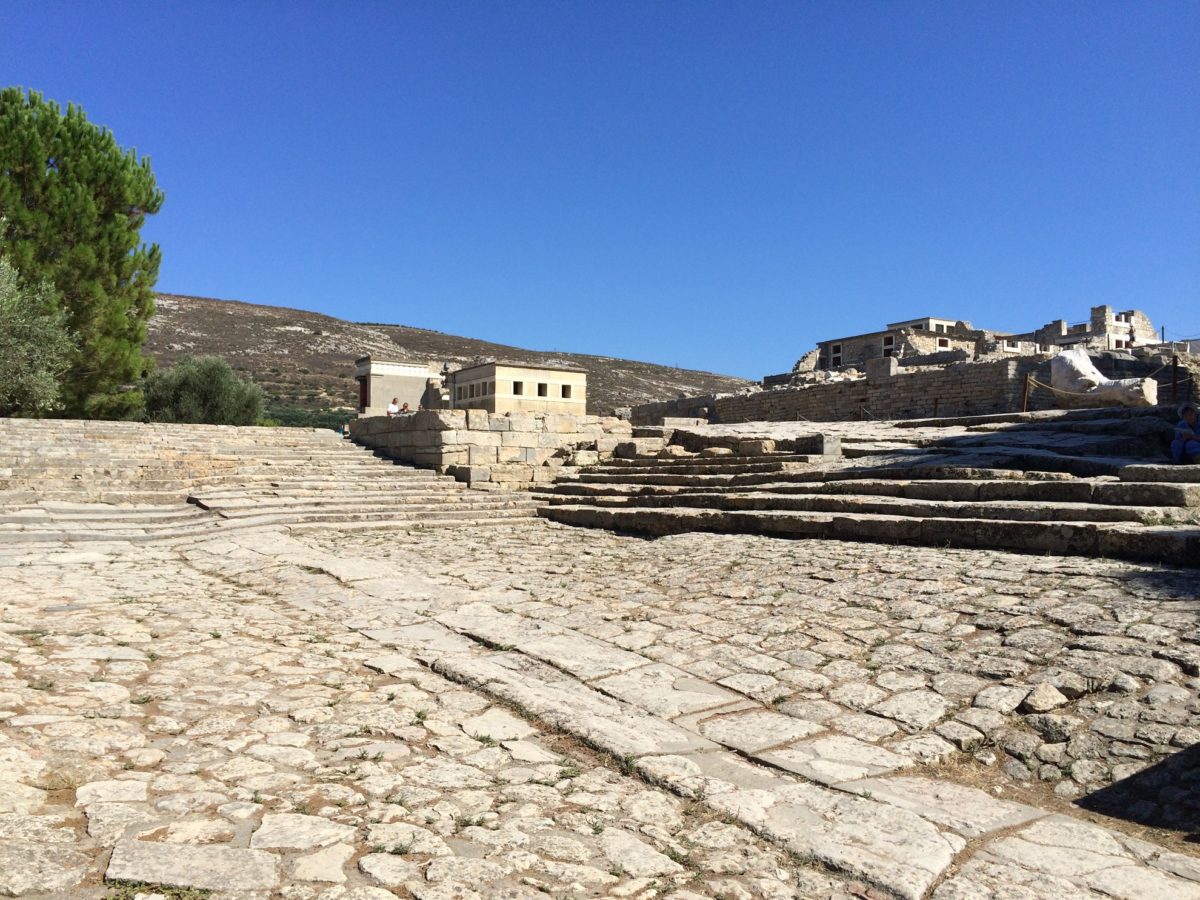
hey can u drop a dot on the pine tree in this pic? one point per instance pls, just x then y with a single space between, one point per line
72 203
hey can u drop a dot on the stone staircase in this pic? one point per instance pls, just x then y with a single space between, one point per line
1087 482
76 480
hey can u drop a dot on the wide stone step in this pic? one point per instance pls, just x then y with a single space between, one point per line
1173 544
298 509
351 487
1189 474
712 464
442 513
1068 491
103 530
94 511
1010 510
592 477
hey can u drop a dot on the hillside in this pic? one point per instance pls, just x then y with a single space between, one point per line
304 361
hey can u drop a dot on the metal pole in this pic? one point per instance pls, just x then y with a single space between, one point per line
1174 376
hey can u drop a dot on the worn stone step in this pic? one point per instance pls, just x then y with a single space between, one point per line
1011 510
1176 545
588 476
1148 472
1067 491
481 503
709 465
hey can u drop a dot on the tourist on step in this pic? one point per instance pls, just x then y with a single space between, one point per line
394 407
1186 446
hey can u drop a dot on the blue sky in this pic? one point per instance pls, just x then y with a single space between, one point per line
710 185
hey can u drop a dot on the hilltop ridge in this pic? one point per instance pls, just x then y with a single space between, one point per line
304 360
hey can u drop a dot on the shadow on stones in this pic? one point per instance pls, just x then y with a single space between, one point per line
1166 795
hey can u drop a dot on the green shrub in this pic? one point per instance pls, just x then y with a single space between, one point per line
202 390
35 347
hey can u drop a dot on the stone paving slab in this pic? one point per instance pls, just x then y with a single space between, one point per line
260 744
275 708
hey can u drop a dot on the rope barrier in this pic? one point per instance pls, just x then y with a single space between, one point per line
1055 390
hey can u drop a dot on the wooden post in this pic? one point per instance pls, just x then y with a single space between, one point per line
1174 377
1025 399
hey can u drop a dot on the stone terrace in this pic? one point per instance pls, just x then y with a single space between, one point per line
1087 483
535 710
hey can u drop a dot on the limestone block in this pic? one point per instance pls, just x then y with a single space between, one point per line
440 419
428 458
543 474
585 458
482 456
882 367
499 423
607 445
471 474
477 420
523 422
510 454
519 473
454 457
518 438
551 439
559 423
760 447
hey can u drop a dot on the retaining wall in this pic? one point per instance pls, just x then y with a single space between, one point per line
492 450
963 389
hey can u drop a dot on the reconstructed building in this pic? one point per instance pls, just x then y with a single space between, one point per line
501 387
934 341
417 384
1104 330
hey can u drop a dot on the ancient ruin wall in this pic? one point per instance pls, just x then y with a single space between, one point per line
492 450
956 390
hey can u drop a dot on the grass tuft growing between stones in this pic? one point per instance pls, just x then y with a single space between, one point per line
127 890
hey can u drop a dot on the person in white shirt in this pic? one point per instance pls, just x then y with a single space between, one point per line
394 407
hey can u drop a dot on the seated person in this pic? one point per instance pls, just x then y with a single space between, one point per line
394 407
1186 446
404 410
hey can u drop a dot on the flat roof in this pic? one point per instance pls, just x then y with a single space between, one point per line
391 362
521 365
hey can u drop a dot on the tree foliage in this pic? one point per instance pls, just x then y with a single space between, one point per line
202 389
72 203
35 347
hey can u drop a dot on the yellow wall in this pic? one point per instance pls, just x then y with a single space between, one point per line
494 389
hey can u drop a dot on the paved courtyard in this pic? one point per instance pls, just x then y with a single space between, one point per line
533 710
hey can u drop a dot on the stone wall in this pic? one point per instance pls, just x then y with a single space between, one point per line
680 408
956 390
892 390
492 450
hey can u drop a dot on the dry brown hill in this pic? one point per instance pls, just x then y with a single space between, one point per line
304 360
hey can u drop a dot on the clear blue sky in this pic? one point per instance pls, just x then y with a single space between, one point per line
711 185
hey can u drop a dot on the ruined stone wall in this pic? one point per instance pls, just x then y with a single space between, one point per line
958 390
681 408
492 450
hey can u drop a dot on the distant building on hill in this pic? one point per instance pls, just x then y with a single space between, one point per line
501 387
414 383
933 341
497 387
